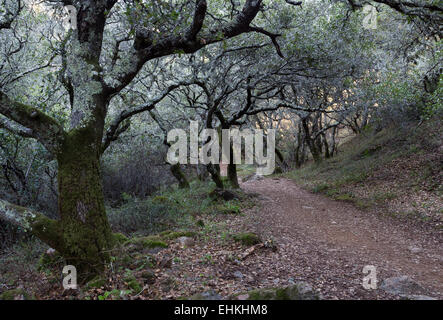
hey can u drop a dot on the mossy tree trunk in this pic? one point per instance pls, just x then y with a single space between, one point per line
82 234
86 233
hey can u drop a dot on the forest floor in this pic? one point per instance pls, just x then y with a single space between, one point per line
377 202
318 240
327 243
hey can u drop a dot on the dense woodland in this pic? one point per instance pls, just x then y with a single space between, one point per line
90 89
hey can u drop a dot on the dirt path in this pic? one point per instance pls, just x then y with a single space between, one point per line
327 243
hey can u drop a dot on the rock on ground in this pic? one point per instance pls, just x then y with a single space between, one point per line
186 241
207 295
298 291
403 286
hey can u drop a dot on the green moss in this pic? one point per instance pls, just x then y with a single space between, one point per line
265 294
345 197
170 235
362 203
384 196
294 292
278 170
332 192
149 242
97 282
159 199
49 261
282 294
247 238
321 187
132 282
125 260
228 208
149 276
134 285
201 224
119 238
12 294
87 235
48 230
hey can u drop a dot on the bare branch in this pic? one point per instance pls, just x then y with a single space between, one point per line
128 113
294 3
199 16
146 49
273 37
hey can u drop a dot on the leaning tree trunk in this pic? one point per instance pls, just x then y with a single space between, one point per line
179 175
232 175
232 170
215 175
86 233
326 145
312 144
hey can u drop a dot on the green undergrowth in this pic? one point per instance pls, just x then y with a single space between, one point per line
141 227
245 170
173 208
360 157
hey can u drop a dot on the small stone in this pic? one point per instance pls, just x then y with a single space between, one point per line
402 285
253 177
155 250
417 297
415 249
238 275
299 291
247 238
257 177
186 241
305 290
207 295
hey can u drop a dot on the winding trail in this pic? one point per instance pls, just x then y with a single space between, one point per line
328 242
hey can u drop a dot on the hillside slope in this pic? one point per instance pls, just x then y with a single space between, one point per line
397 171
